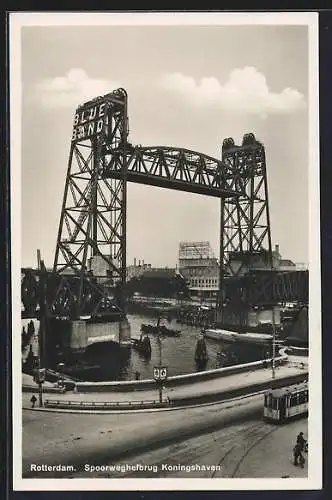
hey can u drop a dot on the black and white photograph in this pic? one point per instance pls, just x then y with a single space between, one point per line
165 251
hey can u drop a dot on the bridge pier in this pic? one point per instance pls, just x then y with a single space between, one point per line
264 315
68 338
248 316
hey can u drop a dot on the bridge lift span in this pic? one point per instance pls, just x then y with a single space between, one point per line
102 161
92 229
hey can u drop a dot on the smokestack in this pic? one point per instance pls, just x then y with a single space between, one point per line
277 248
38 259
143 263
134 261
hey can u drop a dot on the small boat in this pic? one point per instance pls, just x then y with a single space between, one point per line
216 334
229 336
161 330
142 345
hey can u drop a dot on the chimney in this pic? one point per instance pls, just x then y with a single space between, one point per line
134 261
277 248
143 263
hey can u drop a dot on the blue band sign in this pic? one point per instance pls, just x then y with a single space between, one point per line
89 121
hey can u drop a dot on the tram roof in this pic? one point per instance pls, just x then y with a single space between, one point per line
277 393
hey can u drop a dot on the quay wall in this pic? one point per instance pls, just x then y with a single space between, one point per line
177 380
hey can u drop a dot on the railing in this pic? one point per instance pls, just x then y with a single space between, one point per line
50 390
105 405
177 380
176 401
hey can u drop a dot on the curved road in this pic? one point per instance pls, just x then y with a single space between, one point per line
218 434
252 449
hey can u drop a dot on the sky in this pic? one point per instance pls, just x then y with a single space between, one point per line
188 86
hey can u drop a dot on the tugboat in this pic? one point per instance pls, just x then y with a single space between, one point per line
142 345
160 329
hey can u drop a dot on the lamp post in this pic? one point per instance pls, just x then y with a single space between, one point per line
160 382
273 343
60 370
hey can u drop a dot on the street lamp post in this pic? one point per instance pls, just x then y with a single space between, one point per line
160 383
160 372
273 343
40 394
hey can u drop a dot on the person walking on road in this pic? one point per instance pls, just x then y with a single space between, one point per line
33 401
298 449
300 440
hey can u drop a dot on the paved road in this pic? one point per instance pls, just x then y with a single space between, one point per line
191 389
251 449
63 438
232 436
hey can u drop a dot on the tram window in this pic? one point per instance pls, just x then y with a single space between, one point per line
302 398
294 400
268 400
275 404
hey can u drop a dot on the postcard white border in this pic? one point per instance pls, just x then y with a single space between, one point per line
310 19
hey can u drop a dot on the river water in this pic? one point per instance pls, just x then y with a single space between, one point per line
178 354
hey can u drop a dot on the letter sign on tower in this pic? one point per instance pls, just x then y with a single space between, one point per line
89 120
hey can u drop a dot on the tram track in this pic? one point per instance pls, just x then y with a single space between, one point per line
236 444
234 457
225 443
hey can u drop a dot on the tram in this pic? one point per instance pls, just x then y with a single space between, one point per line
281 405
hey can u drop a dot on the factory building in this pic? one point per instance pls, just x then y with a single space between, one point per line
145 280
137 269
200 268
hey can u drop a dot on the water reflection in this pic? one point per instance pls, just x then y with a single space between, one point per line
109 362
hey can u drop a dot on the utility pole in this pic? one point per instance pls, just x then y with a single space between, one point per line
273 343
273 325
160 382
40 330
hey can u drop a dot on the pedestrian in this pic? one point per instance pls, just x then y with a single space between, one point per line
298 457
301 441
33 400
298 450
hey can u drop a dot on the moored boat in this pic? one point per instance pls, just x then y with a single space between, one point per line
142 345
230 336
161 330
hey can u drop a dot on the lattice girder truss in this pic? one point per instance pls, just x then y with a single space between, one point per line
278 287
246 219
59 296
267 288
92 222
176 168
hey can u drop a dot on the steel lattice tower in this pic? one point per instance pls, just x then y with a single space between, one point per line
245 220
93 216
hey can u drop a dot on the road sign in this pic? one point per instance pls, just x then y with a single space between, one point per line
163 373
160 372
